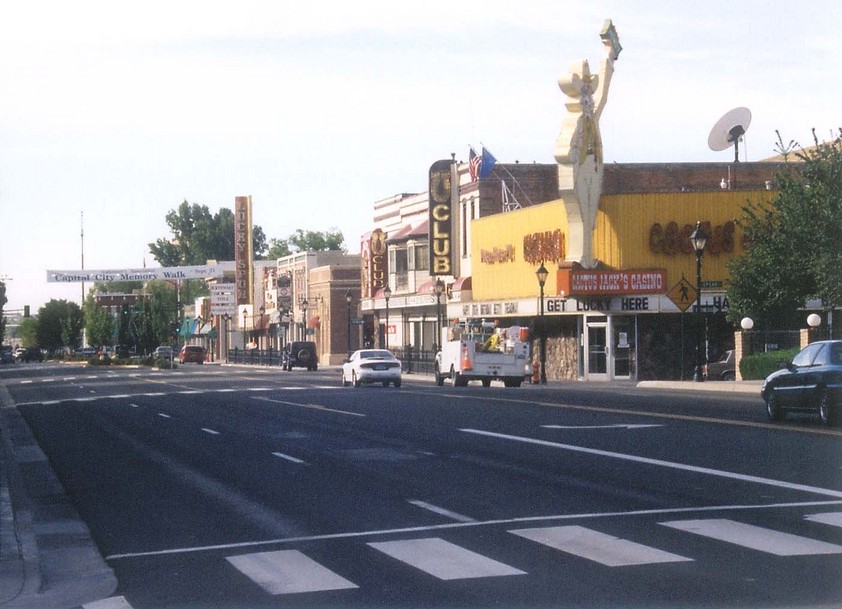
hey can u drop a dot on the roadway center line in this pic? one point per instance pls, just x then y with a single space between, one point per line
287 457
311 406
212 432
441 511
660 463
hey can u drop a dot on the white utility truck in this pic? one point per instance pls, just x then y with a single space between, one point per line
482 351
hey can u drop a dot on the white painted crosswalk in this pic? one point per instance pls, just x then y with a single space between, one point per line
443 559
598 547
284 572
288 572
755 538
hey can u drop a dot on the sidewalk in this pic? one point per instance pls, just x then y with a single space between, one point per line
47 557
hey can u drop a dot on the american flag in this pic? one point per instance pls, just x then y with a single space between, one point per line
474 164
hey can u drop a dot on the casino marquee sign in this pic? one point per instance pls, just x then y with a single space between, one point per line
170 273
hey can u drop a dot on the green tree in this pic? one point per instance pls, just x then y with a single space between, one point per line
306 241
98 323
28 332
59 325
199 236
793 251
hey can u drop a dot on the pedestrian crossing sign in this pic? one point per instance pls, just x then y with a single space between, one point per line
683 294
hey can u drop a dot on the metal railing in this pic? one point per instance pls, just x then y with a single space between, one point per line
416 361
255 357
763 341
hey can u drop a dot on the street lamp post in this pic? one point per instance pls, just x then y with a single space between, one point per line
244 328
542 275
348 299
387 294
698 240
439 292
304 305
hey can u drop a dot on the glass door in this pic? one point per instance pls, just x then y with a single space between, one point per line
596 354
623 340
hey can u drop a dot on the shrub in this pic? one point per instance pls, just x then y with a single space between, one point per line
164 363
760 365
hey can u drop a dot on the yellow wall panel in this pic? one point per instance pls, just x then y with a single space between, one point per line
515 277
621 240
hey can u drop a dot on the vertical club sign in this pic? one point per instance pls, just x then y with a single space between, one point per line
243 254
441 218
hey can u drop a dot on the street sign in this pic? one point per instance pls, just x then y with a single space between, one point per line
683 294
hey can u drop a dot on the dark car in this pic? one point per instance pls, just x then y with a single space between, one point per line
724 369
29 354
192 353
811 382
7 356
301 354
121 352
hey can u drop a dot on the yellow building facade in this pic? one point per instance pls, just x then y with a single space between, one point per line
645 267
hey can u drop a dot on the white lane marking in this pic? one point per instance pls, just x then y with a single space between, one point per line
191 392
120 396
619 426
164 415
458 525
133 405
598 547
441 511
288 572
287 457
212 432
754 537
115 602
443 559
661 463
831 518
311 406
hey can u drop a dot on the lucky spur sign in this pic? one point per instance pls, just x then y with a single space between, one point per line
170 273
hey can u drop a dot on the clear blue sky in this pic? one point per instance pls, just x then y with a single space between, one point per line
122 111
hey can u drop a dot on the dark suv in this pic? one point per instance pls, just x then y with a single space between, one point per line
301 354
30 354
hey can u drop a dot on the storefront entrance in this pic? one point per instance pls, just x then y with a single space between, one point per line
609 347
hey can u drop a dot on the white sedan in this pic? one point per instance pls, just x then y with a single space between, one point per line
371 366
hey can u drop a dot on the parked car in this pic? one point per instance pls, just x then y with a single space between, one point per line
121 352
811 382
371 366
7 356
301 354
29 354
723 370
163 352
192 353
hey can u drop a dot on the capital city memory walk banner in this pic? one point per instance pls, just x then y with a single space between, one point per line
170 273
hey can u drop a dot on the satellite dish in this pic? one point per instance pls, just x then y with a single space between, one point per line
728 130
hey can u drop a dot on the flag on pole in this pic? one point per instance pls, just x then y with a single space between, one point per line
474 163
487 163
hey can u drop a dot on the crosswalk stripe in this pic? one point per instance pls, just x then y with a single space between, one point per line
754 537
113 602
443 559
598 547
288 572
831 518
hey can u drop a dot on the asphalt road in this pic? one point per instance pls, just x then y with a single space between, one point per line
212 486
